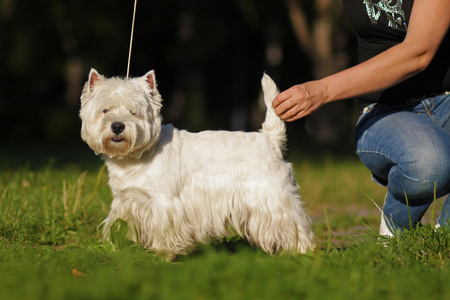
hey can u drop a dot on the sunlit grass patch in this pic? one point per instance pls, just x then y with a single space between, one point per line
51 206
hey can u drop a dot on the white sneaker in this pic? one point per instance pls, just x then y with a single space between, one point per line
384 230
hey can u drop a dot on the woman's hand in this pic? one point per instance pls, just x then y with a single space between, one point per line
299 101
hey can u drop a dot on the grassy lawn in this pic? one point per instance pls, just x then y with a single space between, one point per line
50 247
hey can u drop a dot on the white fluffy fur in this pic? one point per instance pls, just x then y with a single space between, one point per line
176 188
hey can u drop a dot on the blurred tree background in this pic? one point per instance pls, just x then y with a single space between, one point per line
208 55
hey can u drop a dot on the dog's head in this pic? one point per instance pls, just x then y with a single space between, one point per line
120 117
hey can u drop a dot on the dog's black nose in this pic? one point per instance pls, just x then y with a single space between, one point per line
117 127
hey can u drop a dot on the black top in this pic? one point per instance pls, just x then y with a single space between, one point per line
381 24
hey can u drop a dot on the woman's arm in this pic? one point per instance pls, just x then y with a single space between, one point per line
429 22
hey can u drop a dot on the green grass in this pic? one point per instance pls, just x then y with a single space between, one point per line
50 247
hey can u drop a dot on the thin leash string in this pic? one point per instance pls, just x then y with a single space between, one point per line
131 39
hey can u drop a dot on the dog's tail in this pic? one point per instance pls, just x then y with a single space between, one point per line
273 127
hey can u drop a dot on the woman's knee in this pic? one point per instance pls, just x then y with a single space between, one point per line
422 172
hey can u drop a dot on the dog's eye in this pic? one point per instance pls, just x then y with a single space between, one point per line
133 113
105 111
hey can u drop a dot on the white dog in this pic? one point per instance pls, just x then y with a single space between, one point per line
175 188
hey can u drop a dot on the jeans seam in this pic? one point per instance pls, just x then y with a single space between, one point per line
376 152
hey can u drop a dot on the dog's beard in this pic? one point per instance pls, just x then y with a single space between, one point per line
132 142
117 145
124 143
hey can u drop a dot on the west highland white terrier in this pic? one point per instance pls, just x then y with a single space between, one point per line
175 188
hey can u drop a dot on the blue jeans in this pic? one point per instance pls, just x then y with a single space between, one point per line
407 149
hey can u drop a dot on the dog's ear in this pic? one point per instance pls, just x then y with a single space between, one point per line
150 79
94 76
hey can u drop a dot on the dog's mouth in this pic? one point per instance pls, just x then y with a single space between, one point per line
117 139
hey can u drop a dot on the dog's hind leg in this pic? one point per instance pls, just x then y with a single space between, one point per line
280 225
